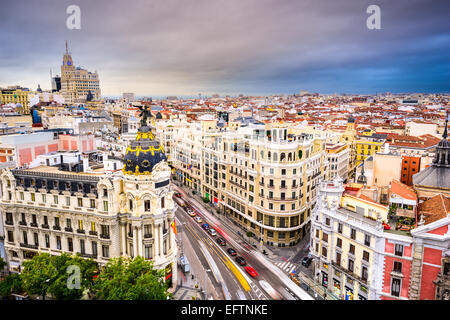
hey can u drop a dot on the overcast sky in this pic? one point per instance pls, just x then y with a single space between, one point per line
186 47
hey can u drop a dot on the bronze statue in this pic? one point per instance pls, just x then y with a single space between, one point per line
145 113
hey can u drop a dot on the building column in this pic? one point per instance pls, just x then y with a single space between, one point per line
139 240
160 239
135 244
124 239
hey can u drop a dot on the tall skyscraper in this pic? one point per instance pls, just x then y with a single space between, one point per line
76 82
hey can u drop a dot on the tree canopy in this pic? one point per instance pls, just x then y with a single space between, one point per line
48 274
130 279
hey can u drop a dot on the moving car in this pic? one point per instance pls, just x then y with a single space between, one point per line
241 261
177 194
221 241
205 226
232 252
306 261
251 271
198 219
212 232
191 212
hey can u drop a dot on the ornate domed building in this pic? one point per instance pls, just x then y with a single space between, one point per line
143 153
146 204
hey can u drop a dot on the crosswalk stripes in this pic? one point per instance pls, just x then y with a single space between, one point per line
286 266
261 296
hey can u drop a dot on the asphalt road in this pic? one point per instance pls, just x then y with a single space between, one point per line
271 282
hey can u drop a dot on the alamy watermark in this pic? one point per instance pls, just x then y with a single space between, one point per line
74 280
374 20
74 19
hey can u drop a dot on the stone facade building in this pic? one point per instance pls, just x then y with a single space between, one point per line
97 214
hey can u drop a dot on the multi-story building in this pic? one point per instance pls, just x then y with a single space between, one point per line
261 176
99 214
78 83
16 95
368 145
346 242
349 138
338 160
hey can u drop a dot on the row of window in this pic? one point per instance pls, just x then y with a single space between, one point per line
56 222
69 246
80 201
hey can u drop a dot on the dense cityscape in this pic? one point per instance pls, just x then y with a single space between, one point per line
303 196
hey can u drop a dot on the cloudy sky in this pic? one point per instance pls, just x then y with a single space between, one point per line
186 47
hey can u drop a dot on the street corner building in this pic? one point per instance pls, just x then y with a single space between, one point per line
72 208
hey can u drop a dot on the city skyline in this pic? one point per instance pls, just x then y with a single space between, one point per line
253 48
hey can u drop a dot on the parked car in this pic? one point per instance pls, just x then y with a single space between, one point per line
241 261
177 194
251 271
232 252
205 226
198 219
221 241
306 261
212 232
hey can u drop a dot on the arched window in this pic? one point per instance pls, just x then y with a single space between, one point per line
282 156
289 156
269 154
300 153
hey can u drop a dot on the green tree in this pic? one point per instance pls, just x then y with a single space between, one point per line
37 274
48 274
59 285
130 279
11 284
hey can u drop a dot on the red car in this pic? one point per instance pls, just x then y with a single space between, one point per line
386 226
251 271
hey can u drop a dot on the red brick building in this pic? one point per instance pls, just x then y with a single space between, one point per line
397 267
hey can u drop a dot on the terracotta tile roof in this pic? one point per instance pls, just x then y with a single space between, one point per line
435 208
403 190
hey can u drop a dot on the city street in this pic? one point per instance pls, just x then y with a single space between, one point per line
271 283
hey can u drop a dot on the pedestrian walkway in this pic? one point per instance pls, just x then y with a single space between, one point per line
286 266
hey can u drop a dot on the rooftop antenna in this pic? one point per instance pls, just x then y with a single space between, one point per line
67 50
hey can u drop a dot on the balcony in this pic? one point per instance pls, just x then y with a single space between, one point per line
81 231
104 236
281 199
148 235
9 222
68 229
34 225
88 255
349 272
29 246
45 226
93 233
22 223
57 228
